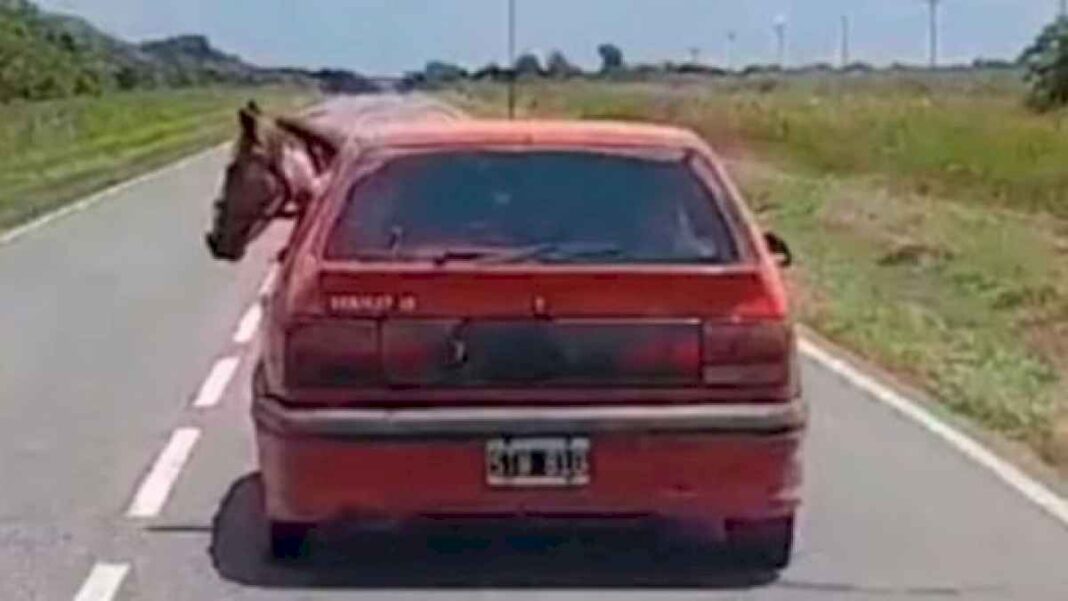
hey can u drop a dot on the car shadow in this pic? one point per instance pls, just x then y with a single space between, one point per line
507 554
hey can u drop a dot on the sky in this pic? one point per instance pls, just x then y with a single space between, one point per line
392 36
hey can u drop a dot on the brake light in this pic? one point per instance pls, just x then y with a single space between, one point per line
748 354
332 354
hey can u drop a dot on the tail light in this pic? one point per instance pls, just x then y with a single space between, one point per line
748 354
332 354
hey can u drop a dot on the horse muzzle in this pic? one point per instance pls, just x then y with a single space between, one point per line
221 251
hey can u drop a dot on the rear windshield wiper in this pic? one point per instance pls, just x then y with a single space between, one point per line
540 252
568 251
562 252
399 253
453 255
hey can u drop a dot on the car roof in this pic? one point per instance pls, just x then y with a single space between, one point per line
579 134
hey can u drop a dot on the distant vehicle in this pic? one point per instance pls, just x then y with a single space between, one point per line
570 320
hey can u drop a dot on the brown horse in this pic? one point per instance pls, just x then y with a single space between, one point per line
274 172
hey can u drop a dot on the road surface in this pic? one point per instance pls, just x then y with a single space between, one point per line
124 365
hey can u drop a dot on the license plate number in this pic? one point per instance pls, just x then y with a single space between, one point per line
538 462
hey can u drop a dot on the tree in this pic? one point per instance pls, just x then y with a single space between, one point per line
491 72
128 78
993 64
611 58
858 67
437 72
1046 61
528 65
559 67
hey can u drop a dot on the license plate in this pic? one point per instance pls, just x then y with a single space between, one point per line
538 462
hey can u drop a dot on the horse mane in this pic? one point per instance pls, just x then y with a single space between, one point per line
323 134
324 143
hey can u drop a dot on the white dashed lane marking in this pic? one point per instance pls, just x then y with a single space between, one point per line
157 485
268 282
103 582
249 325
218 379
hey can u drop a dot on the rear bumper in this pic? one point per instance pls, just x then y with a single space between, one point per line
480 421
702 463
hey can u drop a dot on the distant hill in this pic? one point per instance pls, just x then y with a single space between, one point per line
46 55
191 59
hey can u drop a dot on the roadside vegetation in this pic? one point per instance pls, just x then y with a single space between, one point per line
80 109
929 213
55 151
45 55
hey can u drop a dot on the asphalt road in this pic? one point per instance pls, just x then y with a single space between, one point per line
113 318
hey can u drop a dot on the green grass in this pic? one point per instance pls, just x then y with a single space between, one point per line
940 293
929 217
55 151
961 137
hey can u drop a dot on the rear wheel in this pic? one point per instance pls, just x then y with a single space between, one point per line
289 540
766 544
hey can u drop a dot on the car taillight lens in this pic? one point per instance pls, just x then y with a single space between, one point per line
333 354
748 354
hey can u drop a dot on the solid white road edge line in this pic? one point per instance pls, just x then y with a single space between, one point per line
155 488
1032 489
218 379
20 231
249 324
103 582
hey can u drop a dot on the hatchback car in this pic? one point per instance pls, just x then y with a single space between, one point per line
575 320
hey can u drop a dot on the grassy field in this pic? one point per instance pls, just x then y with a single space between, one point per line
930 217
52 152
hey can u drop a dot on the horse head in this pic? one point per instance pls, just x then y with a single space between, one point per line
254 190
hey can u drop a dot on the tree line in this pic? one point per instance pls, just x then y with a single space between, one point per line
45 55
1044 64
613 64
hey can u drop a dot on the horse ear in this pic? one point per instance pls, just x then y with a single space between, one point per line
248 122
253 107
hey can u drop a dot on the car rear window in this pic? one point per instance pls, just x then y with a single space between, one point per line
544 207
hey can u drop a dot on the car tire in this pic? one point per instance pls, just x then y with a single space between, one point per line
765 545
289 540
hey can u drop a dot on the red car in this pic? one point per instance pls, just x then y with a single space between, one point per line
575 320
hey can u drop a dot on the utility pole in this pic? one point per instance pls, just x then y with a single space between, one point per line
1064 9
732 37
845 41
933 4
511 59
780 35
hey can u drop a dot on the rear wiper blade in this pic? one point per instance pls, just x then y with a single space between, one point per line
437 258
557 252
551 251
453 255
